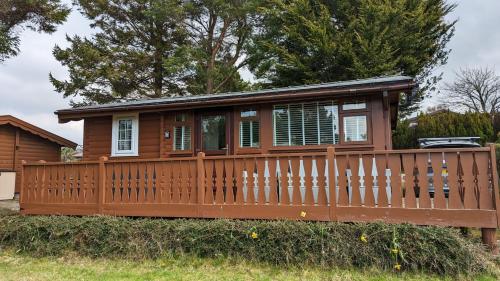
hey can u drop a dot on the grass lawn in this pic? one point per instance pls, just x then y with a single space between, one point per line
19 267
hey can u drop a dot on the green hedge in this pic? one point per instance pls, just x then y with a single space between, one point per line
443 124
295 243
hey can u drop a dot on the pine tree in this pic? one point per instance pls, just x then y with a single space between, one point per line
310 41
156 48
298 45
136 52
36 15
219 33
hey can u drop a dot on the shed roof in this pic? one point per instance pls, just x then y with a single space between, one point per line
369 85
18 123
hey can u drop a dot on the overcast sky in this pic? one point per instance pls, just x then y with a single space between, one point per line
27 93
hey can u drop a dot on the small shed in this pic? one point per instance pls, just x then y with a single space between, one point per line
20 141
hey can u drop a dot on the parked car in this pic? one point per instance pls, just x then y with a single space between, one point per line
452 142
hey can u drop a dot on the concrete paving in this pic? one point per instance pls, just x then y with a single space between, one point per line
12 205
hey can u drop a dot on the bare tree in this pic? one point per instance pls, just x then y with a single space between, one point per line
474 89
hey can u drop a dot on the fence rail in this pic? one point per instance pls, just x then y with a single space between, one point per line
451 187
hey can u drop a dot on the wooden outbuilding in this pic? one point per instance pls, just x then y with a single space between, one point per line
20 141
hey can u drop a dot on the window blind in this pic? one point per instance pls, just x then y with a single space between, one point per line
182 138
249 133
281 126
355 128
311 127
296 124
312 123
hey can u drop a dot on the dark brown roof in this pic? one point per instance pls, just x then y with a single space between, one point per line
13 121
351 87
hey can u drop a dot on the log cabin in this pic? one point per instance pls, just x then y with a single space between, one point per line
20 141
350 115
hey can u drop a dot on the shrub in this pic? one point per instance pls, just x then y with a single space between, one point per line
497 154
431 249
443 124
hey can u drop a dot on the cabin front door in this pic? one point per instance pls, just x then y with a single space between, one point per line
214 137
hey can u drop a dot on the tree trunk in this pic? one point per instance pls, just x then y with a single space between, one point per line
158 74
210 78
210 51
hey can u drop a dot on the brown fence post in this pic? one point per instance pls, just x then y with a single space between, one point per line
331 182
200 167
102 183
489 238
489 234
494 180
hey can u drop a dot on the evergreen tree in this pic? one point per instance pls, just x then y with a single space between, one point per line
36 15
156 48
219 33
298 45
312 41
136 52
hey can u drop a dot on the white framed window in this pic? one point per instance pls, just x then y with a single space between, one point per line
355 128
249 129
313 123
125 136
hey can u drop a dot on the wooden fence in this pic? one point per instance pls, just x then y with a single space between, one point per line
450 187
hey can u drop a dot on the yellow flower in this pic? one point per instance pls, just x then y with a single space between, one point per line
394 251
397 266
255 235
363 238
303 214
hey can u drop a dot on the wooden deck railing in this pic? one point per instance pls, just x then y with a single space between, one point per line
452 187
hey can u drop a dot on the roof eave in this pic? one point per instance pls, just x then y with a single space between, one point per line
75 114
23 125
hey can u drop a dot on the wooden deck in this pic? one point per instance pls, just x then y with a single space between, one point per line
346 186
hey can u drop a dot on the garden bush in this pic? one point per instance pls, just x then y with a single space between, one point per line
443 124
286 243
